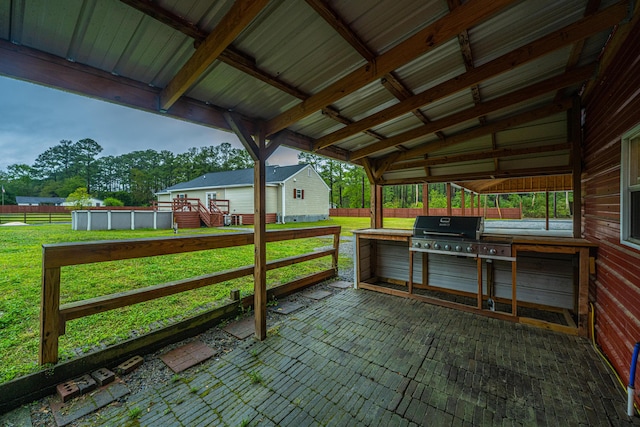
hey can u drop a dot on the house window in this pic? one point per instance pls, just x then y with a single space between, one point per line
182 195
298 193
630 189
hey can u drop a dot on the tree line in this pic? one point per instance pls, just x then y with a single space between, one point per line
132 178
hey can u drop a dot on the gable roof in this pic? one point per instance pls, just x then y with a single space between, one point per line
39 200
240 177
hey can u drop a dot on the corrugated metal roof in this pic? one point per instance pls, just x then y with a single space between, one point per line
293 44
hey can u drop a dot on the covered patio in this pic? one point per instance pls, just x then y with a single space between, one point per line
487 94
364 358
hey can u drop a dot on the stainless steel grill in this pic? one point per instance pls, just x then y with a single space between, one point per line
460 236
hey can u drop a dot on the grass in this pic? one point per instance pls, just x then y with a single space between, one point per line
21 260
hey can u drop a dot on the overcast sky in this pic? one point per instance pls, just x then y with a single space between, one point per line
34 118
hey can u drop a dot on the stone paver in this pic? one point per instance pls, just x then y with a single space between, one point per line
360 358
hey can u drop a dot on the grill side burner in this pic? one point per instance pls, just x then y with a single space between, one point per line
460 236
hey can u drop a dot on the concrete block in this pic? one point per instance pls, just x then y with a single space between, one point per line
68 390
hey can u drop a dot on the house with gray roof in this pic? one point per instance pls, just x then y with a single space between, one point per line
294 193
51 201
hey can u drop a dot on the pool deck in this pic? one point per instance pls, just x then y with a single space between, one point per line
360 358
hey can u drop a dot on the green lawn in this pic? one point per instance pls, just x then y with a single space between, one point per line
21 258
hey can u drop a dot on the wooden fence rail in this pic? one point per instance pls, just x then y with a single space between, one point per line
35 218
54 316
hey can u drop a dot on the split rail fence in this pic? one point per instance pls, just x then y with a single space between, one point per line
54 316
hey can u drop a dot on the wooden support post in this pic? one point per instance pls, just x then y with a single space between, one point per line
514 297
336 248
546 198
410 283
473 197
260 241
575 135
425 199
448 199
376 206
462 201
425 269
50 325
583 292
479 275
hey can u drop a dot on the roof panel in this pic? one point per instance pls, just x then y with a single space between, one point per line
306 52
382 24
231 89
523 23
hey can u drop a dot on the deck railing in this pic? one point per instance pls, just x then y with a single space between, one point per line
54 317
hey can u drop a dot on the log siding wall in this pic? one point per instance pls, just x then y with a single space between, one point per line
610 111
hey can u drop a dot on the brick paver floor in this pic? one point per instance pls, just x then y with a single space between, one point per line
361 358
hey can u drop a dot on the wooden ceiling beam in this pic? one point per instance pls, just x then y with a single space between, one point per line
612 47
243 134
35 66
488 128
390 81
336 21
239 16
544 45
230 56
472 176
335 115
468 15
537 89
495 153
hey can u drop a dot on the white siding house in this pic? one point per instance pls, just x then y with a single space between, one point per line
294 193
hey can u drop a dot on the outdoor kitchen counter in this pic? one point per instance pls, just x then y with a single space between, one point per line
372 264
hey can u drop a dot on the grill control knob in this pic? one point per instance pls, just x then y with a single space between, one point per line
417 244
492 251
436 246
469 249
447 247
427 245
458 248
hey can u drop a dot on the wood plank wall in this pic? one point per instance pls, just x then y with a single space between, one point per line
611 110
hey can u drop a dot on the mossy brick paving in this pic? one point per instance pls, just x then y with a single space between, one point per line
360 358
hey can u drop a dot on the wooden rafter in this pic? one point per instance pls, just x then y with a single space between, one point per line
591 8
390 81
471 13
544 45
230 56
613 46
490 175
239 16
537 89
487 129
243 134
495 153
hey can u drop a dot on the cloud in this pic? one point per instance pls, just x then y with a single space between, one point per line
35 118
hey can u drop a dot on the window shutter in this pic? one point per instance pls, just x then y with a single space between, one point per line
303 194
294 193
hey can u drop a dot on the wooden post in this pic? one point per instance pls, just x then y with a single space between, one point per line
260 241
546 193
575 135
336 248
50 325
471 201
479 275
462 201
376 206
425 199
448 199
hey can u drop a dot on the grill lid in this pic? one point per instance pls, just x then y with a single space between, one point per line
464 227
